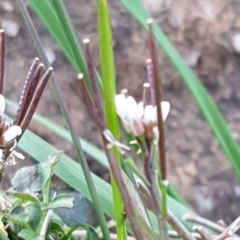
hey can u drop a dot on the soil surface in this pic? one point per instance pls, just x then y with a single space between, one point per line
206 33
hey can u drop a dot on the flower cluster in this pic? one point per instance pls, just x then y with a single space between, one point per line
8 139
137 118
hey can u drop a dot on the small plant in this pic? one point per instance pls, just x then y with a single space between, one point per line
34 210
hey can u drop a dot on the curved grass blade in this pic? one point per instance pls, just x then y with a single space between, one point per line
50 20
202 98
69 33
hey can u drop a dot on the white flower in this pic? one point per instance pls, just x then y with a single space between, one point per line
136 118
8 139
11 134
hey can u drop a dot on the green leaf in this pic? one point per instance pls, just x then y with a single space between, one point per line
21 220
50 19
26 215
92 234
27 179
60 201
72 229
29 234
56 223
74 47
26 197
46 172
202 98
80 205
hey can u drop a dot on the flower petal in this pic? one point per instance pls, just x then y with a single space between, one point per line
165 110
2 105
140 110
120 105
150 115
18 155
11 134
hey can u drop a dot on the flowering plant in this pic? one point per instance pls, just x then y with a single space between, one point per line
10 133
137 198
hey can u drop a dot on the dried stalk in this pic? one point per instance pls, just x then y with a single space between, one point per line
178 227
21 106
229 231
204 234
204 222
158 93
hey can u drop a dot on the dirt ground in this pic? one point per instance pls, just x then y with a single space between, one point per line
206 33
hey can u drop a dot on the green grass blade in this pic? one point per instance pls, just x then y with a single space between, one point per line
69 32
109 91
51 21
204 101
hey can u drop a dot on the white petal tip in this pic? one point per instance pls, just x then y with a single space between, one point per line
11 134
2 104
165 109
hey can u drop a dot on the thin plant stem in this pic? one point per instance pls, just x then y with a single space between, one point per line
2 58
205 222
178 227
204 234
230 230
149 68
26 87
162 226
35 100
46 223
161 141
95 91
131 164
77 145
116 171
174 234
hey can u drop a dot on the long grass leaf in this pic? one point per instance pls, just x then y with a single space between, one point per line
109 91
69 32
50 20
202 98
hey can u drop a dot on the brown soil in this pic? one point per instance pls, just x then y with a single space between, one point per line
202 32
